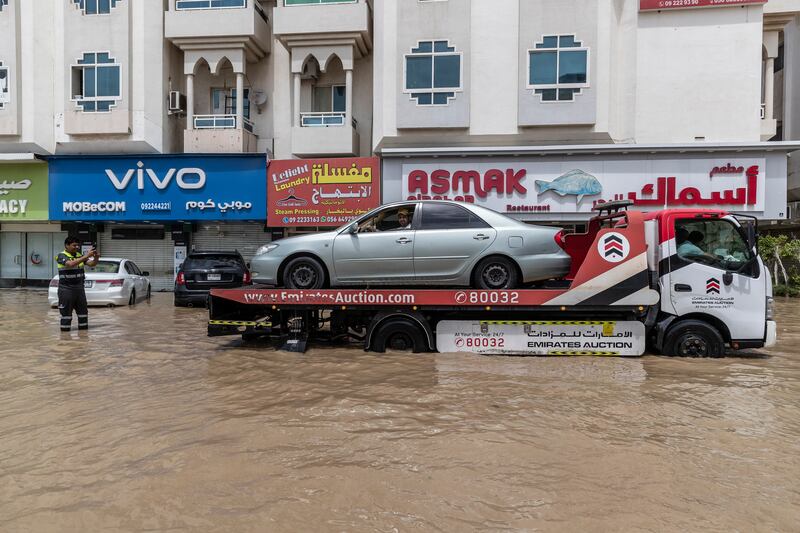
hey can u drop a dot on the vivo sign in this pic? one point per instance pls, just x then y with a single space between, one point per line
151 188
186 178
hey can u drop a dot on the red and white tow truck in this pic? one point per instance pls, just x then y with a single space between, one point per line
635 284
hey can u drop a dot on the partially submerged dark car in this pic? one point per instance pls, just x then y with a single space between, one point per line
203 271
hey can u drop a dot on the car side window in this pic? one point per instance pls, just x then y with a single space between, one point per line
393 218
444 216
716 243
129 269
135 269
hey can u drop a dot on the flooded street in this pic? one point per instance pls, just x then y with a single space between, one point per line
147 424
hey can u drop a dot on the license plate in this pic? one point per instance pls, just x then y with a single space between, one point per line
214 277
88 284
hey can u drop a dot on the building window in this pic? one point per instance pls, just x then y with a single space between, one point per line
432 73
558 68
96 7
5 96
96 82
208 4
3 3
223 101
329 99
307 2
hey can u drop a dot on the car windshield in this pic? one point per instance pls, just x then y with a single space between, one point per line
104 267
212 261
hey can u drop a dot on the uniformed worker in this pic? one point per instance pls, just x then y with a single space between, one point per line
71 294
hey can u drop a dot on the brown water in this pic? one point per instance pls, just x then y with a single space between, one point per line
145 424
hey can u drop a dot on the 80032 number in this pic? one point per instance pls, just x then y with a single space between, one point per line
488 297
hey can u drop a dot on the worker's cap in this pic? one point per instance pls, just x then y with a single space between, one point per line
403 211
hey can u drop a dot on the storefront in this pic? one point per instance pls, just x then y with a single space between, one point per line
153 209
562 185
28 242
307 195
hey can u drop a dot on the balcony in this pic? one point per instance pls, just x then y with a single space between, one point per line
219 133
219 24
318 22
325 134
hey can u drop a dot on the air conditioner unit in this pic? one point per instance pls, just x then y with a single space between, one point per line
177 102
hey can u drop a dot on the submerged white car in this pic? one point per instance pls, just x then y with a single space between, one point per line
112 281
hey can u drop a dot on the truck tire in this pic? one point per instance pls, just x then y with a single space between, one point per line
495 273
400 335
694 338
303 273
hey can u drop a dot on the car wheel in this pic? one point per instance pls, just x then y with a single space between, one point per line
303 273
132 299
495 273
693 338
148 293
399 335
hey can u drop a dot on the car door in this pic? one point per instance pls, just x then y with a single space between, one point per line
448 239
381 256
703 250
129 278
139 280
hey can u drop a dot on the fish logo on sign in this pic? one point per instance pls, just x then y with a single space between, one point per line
613 247
574 183
712 286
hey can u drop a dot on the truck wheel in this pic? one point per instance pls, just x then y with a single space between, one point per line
303 273
495 273
399 335
694 338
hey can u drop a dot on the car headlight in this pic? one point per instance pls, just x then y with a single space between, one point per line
267 248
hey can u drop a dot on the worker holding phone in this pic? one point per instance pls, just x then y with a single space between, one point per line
71 278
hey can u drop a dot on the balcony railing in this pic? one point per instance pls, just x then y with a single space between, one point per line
181 5
321 120
219 122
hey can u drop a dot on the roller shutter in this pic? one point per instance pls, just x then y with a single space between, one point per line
223 236
153 256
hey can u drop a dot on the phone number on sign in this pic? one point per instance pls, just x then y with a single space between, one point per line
316 220
156 206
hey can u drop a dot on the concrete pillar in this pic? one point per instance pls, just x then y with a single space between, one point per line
769 89
240 100
296 99
348 97
190 101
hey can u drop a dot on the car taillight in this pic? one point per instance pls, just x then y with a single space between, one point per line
247 280
54 282
116 283
559 238
180 280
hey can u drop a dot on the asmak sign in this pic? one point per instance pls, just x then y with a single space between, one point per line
576 186
228 187
322 192
651 5
23 192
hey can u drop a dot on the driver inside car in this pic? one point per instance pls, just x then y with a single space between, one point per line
378 223
689 245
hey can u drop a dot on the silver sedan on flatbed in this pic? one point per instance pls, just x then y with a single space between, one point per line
424 243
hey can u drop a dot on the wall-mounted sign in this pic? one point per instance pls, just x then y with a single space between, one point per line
322 192
23 192
649 5
217 187
573 186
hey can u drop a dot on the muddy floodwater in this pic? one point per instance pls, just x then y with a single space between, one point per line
146 424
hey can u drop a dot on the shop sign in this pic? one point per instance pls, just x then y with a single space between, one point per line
226 187
575 186
322 192
23 192
649 5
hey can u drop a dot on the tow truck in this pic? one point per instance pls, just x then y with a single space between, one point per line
637 282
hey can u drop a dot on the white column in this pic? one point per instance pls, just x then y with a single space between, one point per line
348 97
190 101
296 99
240 100
769 89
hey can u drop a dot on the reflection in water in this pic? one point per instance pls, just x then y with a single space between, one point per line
147 424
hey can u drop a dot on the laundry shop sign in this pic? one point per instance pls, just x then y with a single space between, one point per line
23 192
577 185
155 188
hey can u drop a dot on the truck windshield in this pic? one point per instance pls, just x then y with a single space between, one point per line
716 243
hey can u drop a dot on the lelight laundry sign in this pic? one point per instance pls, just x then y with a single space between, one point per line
649 5
575 185
208 187
23 192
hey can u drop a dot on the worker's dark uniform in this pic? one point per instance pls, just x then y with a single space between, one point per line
71 294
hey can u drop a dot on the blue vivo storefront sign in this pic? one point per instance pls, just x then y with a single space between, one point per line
174 187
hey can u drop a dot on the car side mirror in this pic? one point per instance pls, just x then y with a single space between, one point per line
353 229
145 273
247 265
